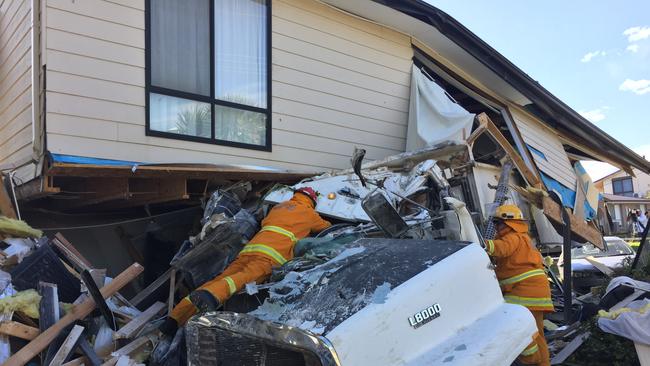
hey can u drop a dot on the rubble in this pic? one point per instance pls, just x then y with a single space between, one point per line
394 220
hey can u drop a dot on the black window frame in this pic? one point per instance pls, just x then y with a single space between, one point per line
149 89
621 180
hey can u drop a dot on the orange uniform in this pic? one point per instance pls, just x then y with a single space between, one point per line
272 246
523 281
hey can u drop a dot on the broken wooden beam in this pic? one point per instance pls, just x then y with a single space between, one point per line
77 312
18 330
531 176
132 327
68 346
155 285
579 227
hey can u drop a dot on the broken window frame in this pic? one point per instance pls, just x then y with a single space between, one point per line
215 104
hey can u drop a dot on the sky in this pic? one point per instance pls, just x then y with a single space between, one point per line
594 55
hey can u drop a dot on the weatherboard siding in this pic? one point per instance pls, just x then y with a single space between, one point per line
337 82
555 162
15 82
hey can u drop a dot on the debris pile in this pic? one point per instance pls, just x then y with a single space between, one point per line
55 308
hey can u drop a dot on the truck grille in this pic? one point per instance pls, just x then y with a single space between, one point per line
232 339
218 347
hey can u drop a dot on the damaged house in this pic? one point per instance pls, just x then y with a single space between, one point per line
121 117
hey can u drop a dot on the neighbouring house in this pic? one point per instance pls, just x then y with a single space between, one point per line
93 92
622 193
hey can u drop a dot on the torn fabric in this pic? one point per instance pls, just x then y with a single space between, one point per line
433 116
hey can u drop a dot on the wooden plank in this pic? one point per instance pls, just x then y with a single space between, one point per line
19 330
71 253
49 311
68 346
131 347
28 352
531 177
579 227
155 285
570 348
81 361
172 291
130 329
6 205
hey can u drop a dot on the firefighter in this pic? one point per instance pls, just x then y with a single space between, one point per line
520 271
272 246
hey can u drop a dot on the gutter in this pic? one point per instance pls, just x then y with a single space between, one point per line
560 114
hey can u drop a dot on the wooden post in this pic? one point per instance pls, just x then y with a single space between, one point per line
78 312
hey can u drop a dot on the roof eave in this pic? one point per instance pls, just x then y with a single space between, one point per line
562 114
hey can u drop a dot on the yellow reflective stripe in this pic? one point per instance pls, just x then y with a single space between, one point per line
231 284
522 276
530 350
490 247
264 249
529 301
281 231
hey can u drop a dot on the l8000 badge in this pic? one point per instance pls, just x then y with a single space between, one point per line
422 317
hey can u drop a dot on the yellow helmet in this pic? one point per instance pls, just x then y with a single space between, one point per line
508 212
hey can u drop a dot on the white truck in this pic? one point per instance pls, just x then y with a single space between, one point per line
401 280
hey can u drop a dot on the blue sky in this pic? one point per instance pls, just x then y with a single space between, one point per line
594 55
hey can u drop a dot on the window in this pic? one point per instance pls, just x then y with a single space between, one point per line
623 186
208 71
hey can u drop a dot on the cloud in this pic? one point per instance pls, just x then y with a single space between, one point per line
635 34
639 87
634 48
590 55
594 115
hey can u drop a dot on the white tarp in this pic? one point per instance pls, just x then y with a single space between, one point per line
433 116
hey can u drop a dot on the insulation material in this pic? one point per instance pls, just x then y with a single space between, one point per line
632 321
24 301
547 150
17 228
433 116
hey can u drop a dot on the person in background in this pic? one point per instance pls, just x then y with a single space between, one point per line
642 220
521 275
272 246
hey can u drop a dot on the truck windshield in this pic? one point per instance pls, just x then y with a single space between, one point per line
614 248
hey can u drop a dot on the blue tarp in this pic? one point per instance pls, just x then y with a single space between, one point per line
72 159
567 195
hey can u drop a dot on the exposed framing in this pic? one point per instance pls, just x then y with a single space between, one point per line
149 88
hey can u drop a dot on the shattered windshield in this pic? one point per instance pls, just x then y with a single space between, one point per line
614 248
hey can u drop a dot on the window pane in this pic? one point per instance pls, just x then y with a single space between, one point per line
627 185
240 126
181 116
240 51
617 186
180 45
